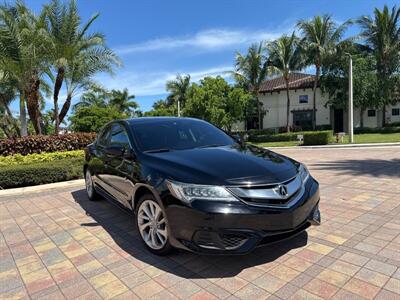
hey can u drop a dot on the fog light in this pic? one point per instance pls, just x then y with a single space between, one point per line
316 217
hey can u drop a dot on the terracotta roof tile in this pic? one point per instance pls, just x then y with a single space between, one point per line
296 81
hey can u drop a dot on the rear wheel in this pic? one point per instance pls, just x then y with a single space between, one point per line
152 225
91 191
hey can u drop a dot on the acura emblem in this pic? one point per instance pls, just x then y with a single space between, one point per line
283 190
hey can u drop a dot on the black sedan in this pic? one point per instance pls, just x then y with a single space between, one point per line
192 186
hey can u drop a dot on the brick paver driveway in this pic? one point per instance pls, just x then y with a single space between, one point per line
59 245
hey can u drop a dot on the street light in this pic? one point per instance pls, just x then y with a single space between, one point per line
351 135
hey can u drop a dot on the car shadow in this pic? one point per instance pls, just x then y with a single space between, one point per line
371 167
119 223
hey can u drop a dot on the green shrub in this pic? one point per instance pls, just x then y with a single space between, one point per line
46 143
280 137
317 137
390 129
41 172
39 157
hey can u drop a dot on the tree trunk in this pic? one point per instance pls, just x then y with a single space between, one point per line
22 115
13 121
314 112
57 87
362 117
65 108
384 115
287 105
32 101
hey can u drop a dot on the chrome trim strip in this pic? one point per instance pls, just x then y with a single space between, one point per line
286 205
261 184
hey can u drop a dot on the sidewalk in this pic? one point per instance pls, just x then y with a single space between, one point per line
43 187
340 146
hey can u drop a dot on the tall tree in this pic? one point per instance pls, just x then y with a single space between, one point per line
286 56
216 101
71 43
250 72
24 48
178 88
382 34
122 100
320 36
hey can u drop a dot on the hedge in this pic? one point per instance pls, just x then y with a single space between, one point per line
45 143
389 129
39 157
317 137
41 172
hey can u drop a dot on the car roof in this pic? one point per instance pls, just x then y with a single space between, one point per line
153 120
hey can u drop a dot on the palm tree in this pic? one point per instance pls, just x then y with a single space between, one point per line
23 57
286 56
70 39
320 36
94 95
122 100
178 90
250 72
7 95
382 34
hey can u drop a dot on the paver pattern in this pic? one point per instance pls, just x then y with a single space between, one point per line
59 245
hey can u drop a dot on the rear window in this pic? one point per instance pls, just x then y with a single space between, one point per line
178 135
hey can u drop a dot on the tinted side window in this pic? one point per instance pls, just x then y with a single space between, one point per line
104 137
119 137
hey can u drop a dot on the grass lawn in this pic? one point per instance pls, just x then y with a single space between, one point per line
358 139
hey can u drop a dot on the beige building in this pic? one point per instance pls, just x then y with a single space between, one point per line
274 99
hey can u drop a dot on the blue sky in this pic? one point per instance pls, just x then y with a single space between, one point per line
158 39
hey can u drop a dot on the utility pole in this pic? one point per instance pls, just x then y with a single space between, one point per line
351 99
179 108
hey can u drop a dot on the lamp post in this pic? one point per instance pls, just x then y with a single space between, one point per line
179 108
351 136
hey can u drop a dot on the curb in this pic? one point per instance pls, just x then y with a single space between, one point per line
344 146
43 187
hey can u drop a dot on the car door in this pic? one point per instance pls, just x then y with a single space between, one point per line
119 169
97 163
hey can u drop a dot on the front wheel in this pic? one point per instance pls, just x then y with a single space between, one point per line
152 225
91 191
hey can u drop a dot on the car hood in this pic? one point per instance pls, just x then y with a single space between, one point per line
227 165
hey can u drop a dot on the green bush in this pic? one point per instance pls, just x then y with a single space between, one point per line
390 129
39 157
45 143
317 137
41 172
280 137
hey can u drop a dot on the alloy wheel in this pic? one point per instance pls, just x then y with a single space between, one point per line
89 184
152 224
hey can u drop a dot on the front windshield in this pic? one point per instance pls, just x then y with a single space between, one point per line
178 135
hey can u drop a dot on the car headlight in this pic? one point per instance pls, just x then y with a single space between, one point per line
304 174
188 192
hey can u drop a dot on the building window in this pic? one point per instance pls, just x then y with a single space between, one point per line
303 98
302 119
371 112
395 111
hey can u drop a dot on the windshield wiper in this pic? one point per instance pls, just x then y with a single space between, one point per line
211 146
157 150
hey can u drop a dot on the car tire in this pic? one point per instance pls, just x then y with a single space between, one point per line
90 189
152 225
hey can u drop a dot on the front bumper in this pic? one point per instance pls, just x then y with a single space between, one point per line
237 228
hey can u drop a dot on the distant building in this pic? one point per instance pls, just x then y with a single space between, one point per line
274 99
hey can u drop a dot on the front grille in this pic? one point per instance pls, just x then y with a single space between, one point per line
268 195
222 241
232 241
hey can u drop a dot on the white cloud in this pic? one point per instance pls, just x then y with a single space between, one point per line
153 83
212 39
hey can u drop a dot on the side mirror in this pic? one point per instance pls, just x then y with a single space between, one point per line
241 138
116 150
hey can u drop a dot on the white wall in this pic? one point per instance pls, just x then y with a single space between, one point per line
377 120
275 104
